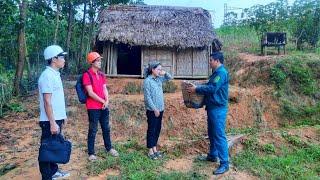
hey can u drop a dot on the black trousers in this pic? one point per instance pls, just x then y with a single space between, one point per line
47 169
154 128
98 116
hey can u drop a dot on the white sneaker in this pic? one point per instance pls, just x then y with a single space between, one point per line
60 174
113 152
92 157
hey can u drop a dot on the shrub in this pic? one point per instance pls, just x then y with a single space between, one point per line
296 79
132 88
169 87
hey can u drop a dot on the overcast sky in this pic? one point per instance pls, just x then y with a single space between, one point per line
215 7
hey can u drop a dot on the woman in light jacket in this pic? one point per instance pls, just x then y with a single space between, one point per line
154 103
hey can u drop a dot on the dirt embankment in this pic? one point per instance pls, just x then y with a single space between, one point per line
251 105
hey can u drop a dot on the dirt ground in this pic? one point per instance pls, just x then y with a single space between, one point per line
250 106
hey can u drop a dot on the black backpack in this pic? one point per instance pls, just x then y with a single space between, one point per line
81 92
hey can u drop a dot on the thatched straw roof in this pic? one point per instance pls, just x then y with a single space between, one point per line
158 26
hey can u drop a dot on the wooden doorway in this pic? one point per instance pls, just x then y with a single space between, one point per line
129 60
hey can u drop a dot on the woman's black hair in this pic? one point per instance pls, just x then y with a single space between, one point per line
151 65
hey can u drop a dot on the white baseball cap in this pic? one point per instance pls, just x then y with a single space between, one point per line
53 51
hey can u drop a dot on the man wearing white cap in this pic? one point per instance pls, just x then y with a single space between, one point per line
52 105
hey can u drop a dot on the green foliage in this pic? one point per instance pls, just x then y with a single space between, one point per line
243 38
169 87
100 165
290 163
278 75
301 21
242 130
14 107
133 164
132 88
297 82
181 176
6 79
269 148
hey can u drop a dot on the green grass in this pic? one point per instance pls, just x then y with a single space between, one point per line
242 38
169 87
248 130
132 162
296 79
181 176
132 88
295 160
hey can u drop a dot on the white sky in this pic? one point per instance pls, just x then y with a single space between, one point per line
215 7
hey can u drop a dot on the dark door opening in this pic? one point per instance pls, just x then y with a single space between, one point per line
129 60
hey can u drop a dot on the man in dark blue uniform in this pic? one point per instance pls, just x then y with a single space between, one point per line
216 101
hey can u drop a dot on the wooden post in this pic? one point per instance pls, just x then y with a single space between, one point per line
174 58
192 70
142 62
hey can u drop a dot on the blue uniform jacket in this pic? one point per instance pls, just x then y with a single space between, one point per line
216 90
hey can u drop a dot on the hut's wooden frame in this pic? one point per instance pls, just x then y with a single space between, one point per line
179 38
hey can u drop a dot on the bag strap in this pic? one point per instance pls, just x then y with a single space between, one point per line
91 80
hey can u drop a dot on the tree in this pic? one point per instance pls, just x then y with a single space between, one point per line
69 32
57 22
82 35
22 48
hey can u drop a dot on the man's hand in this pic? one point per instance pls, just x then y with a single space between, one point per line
191 88
157 113
105 105
54 128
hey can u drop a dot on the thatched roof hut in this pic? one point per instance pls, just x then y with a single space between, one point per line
158 32
160 26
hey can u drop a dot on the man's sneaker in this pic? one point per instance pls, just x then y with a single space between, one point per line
158 154
60 174
113 152
152 156
221 169
207 158
92 157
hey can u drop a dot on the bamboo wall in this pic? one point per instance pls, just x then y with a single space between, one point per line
188 63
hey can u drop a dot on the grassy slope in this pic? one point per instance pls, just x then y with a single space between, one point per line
296 80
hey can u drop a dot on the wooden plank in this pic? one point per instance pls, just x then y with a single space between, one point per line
124 75
104 60
164 56
167 69
149 55
114 59
184 63
191 77
192 62
142 60
174 70
108 58
200 63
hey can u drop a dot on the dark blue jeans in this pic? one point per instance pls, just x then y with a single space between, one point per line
217 135
154 128
95 116
47 170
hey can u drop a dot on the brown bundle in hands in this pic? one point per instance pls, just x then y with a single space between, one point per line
191 100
